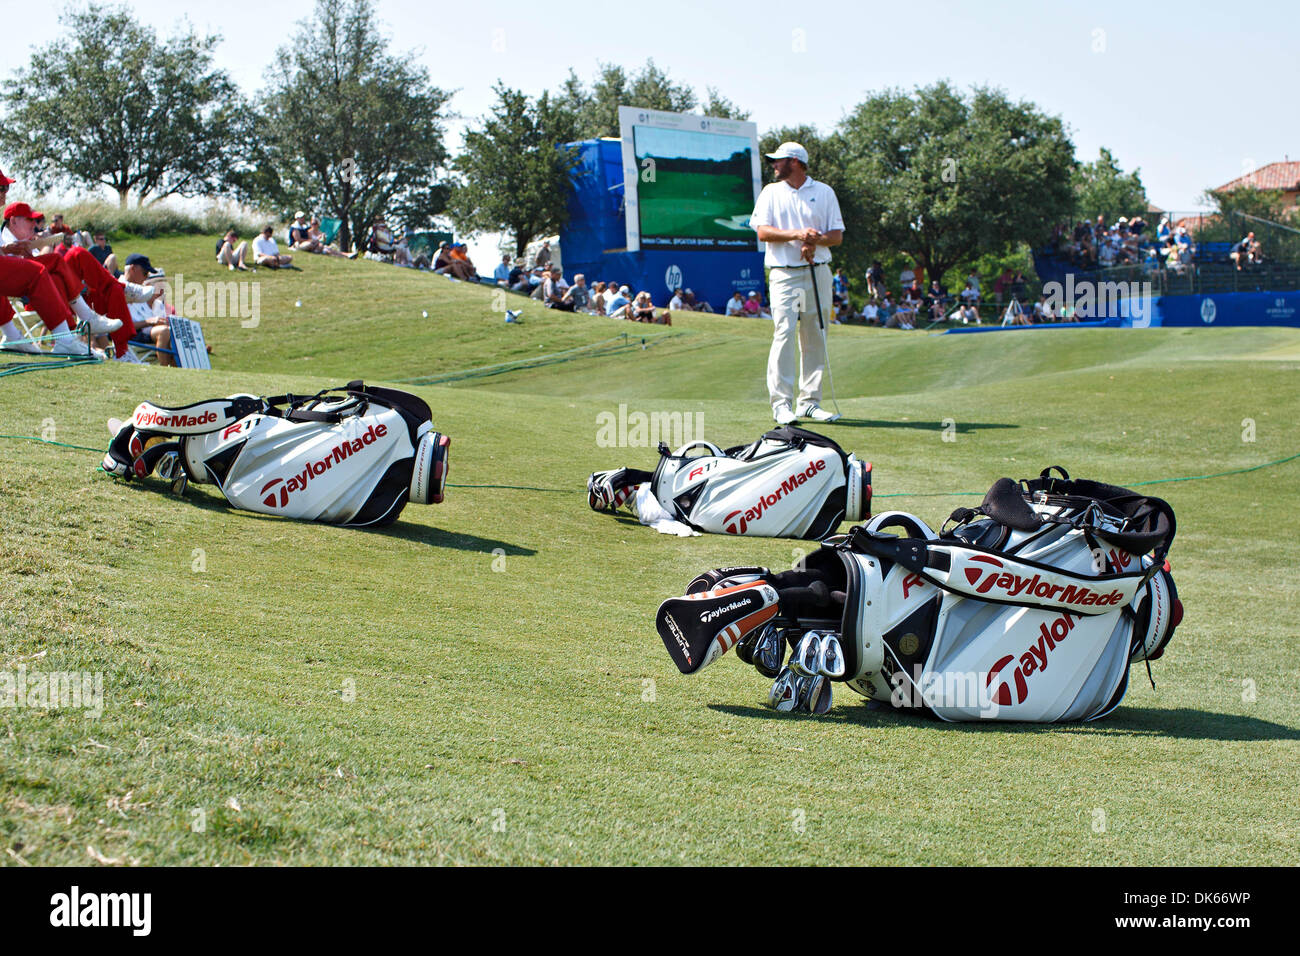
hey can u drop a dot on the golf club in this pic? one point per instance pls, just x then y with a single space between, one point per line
821 324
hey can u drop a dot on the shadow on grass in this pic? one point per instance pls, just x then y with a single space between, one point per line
962 428
209 499
1181 723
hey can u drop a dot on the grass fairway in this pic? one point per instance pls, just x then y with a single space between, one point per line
482 681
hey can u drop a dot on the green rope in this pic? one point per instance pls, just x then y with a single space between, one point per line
47 441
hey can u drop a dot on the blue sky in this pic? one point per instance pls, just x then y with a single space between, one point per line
1192 93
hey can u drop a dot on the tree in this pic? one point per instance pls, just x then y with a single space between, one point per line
112 105
348 127
514 171
596 110
1102 188
1265 212
945 177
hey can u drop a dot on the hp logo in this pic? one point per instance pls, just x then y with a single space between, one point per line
673 278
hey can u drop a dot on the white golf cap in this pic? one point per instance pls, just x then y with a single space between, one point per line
790 151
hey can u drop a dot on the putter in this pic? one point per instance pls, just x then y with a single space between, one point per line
821 324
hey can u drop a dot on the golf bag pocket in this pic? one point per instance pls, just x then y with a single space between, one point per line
352 456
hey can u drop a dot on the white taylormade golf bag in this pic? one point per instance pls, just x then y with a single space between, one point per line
791 483
1029 608
350 456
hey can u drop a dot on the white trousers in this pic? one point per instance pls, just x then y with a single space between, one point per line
794 307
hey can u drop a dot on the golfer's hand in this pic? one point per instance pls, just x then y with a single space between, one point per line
807 251
810 235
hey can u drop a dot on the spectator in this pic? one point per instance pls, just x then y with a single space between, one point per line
103 253
578 294
453 261
966 313
501 274
598 298
402 254
379 241
1043 311
1241 251
102 307
1018 287
937 297
616 306
876 280
840 286
300 234
267 253
1001 284
754 307
970 294
552 295
1163 231
906 277
149 319
900 317
543 257
736 304
643 310
676 303
317 234
871 313
231 252
973 282
694 305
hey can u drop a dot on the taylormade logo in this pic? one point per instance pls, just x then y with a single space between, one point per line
764 502
74 909
339 453
716 613
157 421
1003 584
1033 660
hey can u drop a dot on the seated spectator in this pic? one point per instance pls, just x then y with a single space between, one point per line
578 295
970 294
617 305
267 253
897 317
642 309
501 274
552 295
937 297
402 254
736 305
677 303
1043 311
871 313
966 313
459 253
754 307
231 252
1241 251
317 235
300 234
379 241
694 305
103 253
598 299
148 317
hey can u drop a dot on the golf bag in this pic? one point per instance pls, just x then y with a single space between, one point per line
791 483
1030 607
350 456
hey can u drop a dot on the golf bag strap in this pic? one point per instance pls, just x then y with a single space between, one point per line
1149 522
196 419
999 578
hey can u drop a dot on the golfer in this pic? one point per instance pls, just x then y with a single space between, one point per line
799 220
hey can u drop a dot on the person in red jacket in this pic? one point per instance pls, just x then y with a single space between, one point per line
103 306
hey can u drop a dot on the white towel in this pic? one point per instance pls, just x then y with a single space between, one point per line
649 512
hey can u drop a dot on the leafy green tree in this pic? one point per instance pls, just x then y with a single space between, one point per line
945 178
110 104
596 110
348 127
513 171
1102 188
1239 211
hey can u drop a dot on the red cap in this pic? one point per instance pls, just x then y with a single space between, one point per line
19 209
5 179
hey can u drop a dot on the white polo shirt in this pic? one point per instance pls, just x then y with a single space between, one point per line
813 205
